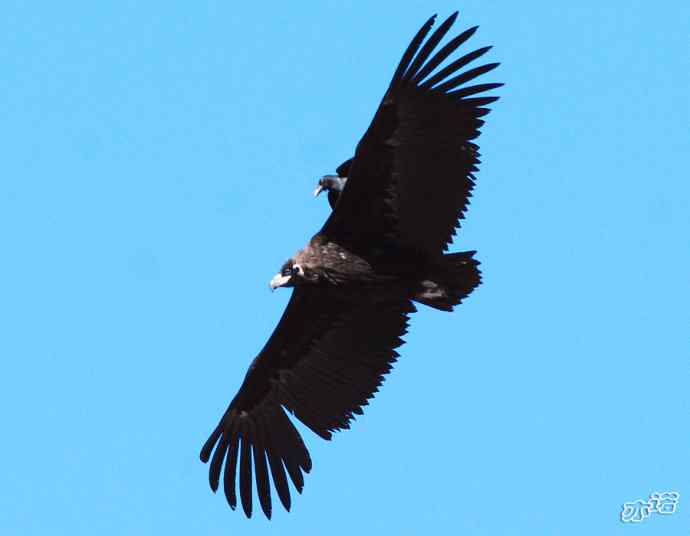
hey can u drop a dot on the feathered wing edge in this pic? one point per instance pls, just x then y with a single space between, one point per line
414 67
264 434
324 388
365 207
420 76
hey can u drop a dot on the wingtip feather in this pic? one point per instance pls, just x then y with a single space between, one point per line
206 450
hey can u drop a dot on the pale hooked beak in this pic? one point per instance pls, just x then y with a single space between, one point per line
279 280
318 190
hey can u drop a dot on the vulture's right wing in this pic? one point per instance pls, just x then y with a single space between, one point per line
325 359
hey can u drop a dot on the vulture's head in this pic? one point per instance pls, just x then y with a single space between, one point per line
293 274
330 183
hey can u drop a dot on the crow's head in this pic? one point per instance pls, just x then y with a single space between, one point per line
292 274
331 184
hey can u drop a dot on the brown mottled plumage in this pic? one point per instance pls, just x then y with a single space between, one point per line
381 249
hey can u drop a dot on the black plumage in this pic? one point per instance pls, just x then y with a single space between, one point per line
381 249
333 184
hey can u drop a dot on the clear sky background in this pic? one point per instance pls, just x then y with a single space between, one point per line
157 165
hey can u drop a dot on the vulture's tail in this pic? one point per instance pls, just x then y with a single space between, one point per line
450 281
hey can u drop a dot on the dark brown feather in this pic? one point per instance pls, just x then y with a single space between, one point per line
325 359
246 469
410 180
231 467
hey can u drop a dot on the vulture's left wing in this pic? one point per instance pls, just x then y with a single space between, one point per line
412 173
325 359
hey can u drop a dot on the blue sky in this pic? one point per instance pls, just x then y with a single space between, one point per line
157 169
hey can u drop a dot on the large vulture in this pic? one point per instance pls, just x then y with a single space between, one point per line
381 249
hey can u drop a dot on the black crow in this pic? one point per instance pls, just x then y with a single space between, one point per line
381 249
334 184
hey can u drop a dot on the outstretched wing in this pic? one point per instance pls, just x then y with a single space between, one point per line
325 359
412 172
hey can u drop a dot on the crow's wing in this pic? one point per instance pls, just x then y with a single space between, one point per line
325 359
342 171
412 172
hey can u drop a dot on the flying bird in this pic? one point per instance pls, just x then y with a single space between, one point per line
397 204
333 184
